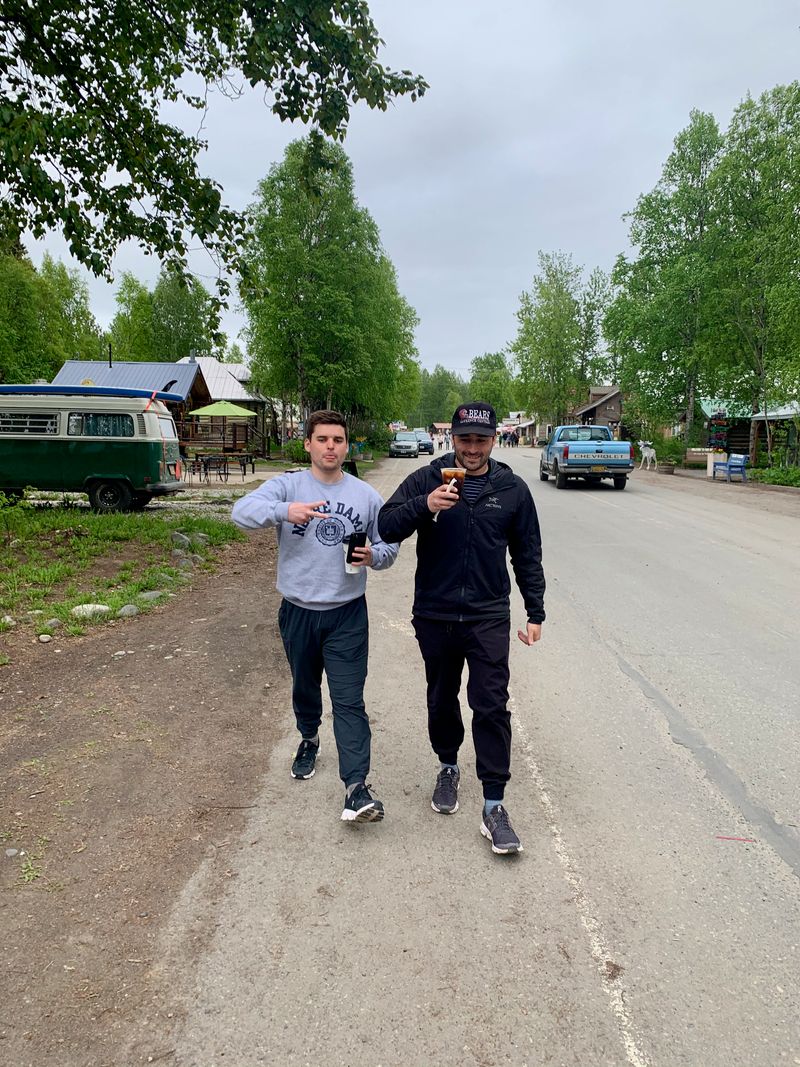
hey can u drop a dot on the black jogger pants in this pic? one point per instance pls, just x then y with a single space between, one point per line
336 641
484 646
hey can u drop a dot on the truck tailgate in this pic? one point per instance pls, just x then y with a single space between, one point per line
589 452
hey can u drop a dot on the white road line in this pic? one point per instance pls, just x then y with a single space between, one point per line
601 953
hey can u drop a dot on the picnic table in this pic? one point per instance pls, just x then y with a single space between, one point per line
220 464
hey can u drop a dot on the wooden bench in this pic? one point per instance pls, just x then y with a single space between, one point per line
734 464
697 455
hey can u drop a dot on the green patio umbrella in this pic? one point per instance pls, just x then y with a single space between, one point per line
225 408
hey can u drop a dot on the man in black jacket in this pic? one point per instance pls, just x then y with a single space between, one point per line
461 603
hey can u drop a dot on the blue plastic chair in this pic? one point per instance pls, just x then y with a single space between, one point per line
734 464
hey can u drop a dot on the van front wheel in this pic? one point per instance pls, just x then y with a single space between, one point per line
110 496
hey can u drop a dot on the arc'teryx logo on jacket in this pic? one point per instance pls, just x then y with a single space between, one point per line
461 558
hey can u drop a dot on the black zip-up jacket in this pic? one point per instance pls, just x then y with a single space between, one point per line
462 572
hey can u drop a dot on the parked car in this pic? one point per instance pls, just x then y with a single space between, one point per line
588 452
425 441
404 443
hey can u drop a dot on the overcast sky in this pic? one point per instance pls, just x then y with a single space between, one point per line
544 121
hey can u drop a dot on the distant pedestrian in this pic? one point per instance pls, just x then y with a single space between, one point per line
461 611
323 615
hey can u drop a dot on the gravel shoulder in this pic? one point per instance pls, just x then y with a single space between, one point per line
128 757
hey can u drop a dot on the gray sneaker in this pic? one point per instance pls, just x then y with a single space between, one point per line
497 828
445 792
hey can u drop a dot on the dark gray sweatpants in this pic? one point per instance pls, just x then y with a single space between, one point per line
337 642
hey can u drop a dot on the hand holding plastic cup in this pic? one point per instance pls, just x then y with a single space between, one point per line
357 539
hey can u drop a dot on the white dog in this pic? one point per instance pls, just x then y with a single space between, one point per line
648 454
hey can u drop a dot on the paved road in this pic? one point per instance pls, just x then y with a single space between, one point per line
654 918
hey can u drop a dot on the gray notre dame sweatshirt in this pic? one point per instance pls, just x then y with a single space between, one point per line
311 570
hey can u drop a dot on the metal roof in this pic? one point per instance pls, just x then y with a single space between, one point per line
240 371
222 383
788 411
164 377
712 405
598 400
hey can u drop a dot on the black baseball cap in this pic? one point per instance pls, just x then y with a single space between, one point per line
475 417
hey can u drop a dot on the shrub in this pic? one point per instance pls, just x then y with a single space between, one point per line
672 448
294 451
776 476
379 438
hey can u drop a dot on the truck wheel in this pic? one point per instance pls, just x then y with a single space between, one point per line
110 496
620 481
140 501
543 475
561 478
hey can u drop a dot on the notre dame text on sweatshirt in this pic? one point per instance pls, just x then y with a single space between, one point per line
311 570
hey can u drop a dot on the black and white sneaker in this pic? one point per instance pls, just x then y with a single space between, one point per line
445 792
305 760
497 828
361 806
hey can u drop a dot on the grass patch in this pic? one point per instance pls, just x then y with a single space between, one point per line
30 870
54 558
37 767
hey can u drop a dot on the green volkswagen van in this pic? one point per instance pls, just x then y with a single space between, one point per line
119 446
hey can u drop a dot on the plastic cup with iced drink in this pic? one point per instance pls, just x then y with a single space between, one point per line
454 476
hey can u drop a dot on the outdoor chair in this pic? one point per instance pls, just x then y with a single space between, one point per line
215 465
734 464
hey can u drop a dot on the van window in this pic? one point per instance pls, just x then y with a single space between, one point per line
167 427
28 422
99 424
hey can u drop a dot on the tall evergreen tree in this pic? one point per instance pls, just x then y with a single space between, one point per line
185 318
548 342
178 317
79 335
664 312
326 321
131 332
492 380
441 391
757 252
31 342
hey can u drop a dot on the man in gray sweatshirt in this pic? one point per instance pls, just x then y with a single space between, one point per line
323 615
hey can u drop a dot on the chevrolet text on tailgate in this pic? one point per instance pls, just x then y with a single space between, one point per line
588 452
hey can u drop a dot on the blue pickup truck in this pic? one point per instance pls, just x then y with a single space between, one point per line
588 452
